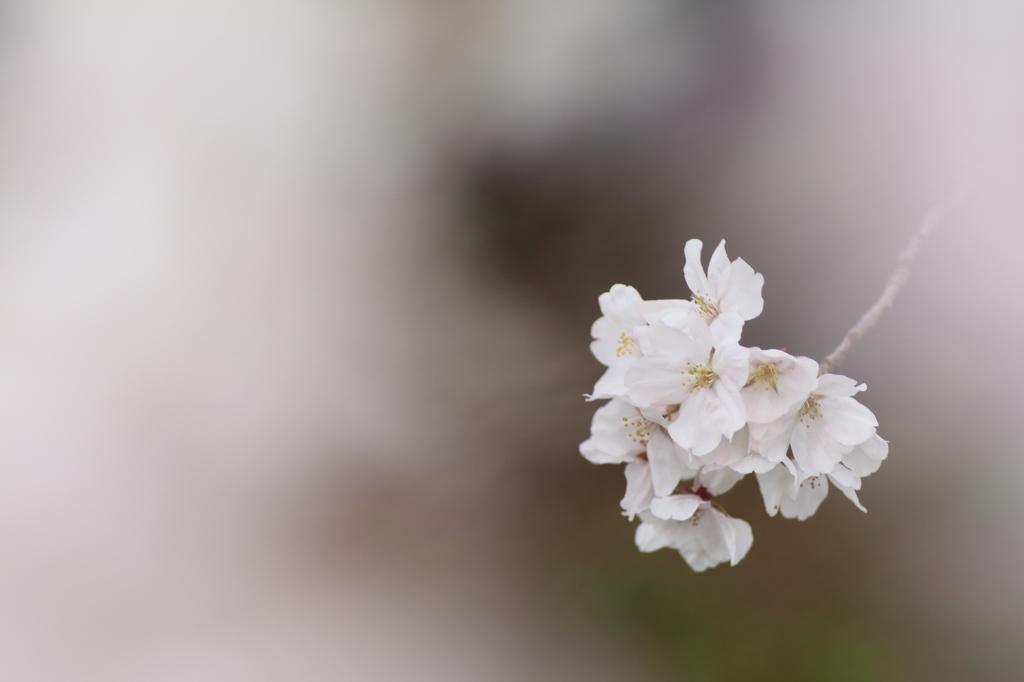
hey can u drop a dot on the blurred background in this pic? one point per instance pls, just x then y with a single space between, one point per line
295 302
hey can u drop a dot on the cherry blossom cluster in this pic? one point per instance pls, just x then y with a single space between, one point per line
690 412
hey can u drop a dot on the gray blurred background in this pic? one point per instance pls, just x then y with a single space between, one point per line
295 302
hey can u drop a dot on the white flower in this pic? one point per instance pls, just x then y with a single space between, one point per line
821 429
623 312
614 344
698 370
726 288
865 458
621 433
777 382
785 488
688 402
779 488
705 539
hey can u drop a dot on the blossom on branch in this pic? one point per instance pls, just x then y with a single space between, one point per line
690 412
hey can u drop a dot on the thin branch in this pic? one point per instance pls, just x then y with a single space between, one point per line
894 283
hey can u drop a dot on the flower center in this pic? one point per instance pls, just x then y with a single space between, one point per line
639 429
708 310
699 377
810 409
627 346
768 375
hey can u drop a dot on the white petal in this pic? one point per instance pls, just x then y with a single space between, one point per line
809 495
668 463
743 295
731 363
655 380
614 341
814 450
841 475
707 545
652 536
719 268
639 491
846 420
850 493
837 386
725 410
591 452
692 428
726 328
866 457
808 368
697 329
775 484
693 270
612 383
744 538
753 463
773 439
677 507
617 434
718 481
622 302
653 311
719 536
678 317
794 381
728 452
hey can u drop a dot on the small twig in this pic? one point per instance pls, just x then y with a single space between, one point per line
894 283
